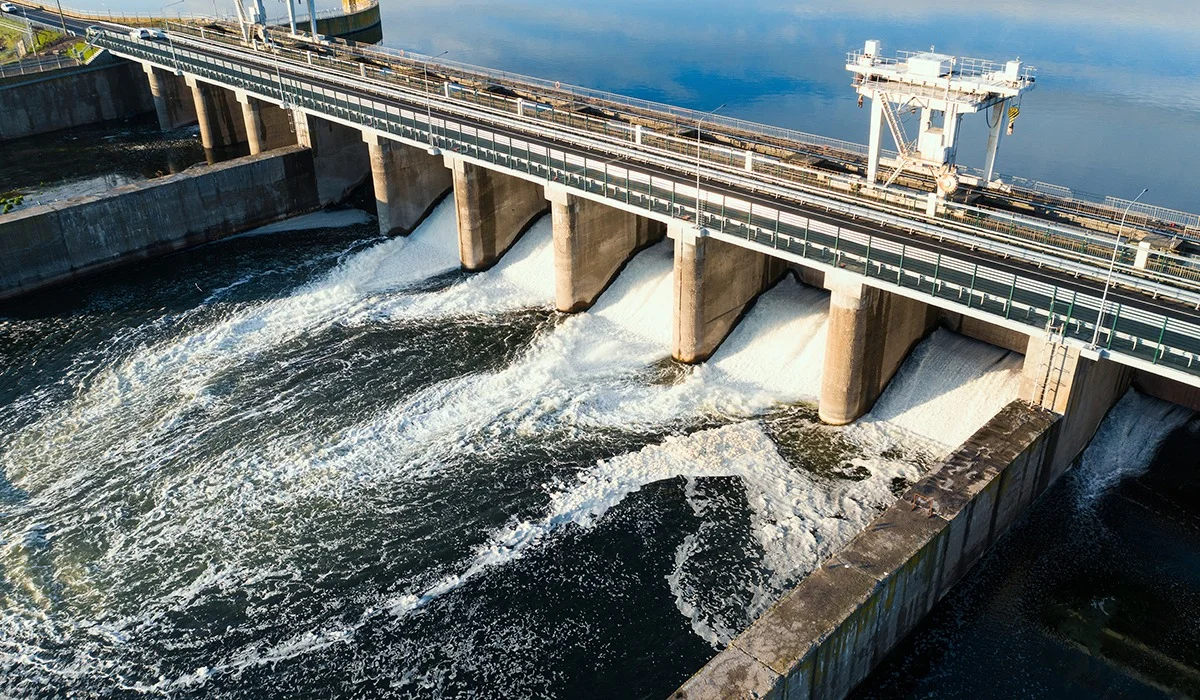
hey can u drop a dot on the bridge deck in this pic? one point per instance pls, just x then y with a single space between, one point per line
759 188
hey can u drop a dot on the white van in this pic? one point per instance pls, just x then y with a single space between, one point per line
7 7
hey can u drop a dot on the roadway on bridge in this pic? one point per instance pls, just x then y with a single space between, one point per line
1121 295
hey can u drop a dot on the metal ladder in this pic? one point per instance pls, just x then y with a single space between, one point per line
907 148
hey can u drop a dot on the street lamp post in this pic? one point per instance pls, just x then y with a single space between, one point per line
433 150
1111 265
167 31
699 124
62 18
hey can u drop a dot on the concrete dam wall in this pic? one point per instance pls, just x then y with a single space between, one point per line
73 97
54 243
826 635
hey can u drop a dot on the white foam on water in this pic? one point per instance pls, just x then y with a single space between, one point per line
798 518
693 598
141 396
334 218
522 279
948 388
1125 444
589 372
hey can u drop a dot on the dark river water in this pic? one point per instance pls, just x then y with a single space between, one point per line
93 159
317 463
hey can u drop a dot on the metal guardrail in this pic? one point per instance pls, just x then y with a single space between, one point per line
1161 267
36 66
1084 203
1149 337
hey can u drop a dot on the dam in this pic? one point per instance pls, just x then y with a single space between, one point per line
530 416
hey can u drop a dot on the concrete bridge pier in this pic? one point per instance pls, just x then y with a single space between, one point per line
592 242
339 155
173 103
870 332
408 183
715 282
222 131
267 126
493 210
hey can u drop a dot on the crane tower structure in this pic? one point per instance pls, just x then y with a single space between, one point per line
943 88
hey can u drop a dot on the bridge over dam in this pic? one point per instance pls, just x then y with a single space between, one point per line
1097 295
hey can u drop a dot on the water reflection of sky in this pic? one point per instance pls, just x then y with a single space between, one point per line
1117 107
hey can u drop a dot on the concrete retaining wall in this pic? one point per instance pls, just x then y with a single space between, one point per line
826 635
54 243
76 97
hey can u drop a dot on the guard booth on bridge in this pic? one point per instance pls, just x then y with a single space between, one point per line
943 88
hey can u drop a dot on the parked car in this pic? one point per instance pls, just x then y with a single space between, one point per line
147 34
7 7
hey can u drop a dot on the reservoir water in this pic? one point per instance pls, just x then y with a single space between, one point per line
311 462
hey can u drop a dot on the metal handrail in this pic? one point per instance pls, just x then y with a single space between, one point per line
1167 267
1003 226
1133 335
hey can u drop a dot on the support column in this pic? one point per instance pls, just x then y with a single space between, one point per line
339 155
158 92
1059 378
221 132
408 183
870 332
715 283
173 103
999 117
876 142
256 132
493 210
312 20
592 242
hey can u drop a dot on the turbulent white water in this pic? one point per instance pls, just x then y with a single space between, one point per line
151 491
1125 444
946 390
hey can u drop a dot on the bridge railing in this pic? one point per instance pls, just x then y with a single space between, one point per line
1080 244
1153 338
683 119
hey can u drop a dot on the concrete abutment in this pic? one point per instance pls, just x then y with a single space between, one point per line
1060 378
592 242
493 210
715 283
408 183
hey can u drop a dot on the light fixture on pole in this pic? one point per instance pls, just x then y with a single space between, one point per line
62 18
699 124
167 31
1111 265
433 150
